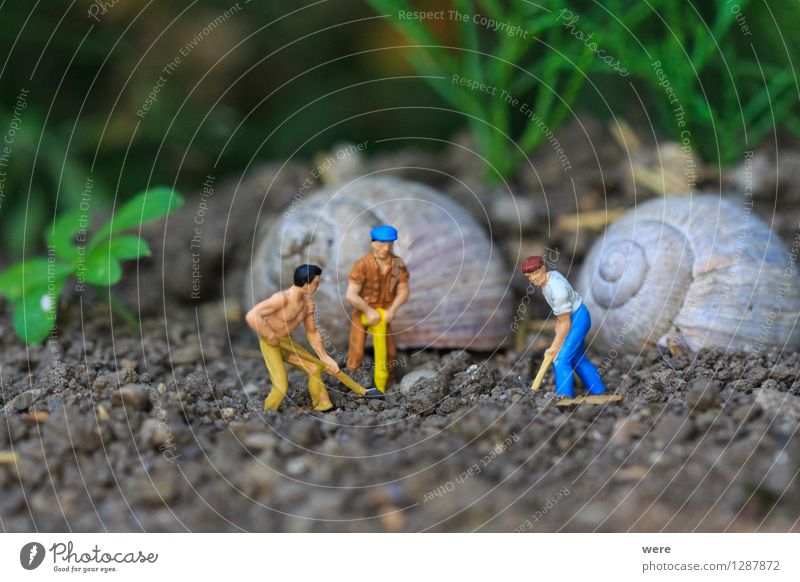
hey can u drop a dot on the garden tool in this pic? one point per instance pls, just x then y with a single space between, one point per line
288 344
378 332
537 382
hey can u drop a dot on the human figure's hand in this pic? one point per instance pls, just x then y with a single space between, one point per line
551 352
373 317
333 367
388 316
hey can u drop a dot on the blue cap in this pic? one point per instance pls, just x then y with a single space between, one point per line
384 233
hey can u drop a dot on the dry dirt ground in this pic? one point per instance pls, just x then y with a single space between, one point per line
161 429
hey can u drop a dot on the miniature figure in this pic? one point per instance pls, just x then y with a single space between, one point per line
377 288
572 324
274 320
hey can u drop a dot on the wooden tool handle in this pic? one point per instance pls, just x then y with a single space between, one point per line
537 382
288 344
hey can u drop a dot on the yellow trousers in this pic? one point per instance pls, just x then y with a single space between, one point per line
378 332
274 358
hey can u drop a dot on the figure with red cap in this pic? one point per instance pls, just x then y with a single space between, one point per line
573 322
377 287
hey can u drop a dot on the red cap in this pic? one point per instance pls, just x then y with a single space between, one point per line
531 264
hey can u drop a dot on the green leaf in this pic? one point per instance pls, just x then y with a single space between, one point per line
102 268
19 280
127 247
62 234
35 315
144 207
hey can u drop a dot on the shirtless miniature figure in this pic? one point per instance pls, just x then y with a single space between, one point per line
276 318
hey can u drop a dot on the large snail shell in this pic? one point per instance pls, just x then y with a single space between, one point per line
460 294
699 270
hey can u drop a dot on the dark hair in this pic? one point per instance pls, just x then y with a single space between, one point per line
306 274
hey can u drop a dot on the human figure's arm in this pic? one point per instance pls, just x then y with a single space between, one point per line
562 309
563 324
400 298
354 298
256 318
315 339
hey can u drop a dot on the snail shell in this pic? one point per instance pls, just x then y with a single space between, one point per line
701 271
460 294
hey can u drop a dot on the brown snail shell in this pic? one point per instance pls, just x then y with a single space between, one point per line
699 271
460 286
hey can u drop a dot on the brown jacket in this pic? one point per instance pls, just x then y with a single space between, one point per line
376 289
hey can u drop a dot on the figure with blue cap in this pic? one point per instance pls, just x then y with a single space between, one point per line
377 287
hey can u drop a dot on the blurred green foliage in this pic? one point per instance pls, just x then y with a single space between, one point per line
718 76
33 286
714 76
270 81
116 98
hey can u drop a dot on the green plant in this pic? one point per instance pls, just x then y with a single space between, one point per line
34 286
712 88
529 63
716 77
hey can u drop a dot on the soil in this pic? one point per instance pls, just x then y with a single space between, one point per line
161 428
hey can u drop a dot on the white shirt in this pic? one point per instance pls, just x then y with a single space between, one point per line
560 295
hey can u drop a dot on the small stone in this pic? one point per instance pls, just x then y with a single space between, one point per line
228 413
672 428
25 400
133 396
260 441
189 354
784 373
393 519
757 375
304 433
155 489
37 416
410 379
128 364
102 413
625 430
154 433
775 403
115 380
8 458
448 405
259 478
479 378
633 473
742 386
703 394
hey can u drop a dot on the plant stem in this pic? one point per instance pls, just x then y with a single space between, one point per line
120 309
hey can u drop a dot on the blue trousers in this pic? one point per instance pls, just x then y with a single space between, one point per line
572 358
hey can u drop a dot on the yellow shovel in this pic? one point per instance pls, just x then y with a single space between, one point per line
288 344
537 382
378 332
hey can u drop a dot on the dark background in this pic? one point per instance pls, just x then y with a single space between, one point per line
276 80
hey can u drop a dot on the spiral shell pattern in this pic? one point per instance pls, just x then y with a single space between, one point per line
460 286
699 270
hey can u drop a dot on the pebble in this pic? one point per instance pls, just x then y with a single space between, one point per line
775 403
703 394
25 400
133 396
625 430
154 433
672 428
410 379
115 380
